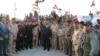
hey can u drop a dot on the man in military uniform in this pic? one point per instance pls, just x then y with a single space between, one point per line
13 28
35 35
68 36
60 35
97 30
81 28
54 28
77 38
90 41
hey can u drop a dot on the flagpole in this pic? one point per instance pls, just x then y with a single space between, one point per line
95 6
95 9
38 12
15 10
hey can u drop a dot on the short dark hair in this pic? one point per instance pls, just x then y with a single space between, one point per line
13 19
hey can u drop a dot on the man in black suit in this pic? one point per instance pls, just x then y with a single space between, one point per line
29 35
47 36
20 37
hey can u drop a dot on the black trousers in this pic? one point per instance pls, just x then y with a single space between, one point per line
29 42
47 44
26 43
99 44
20 43
39 38
99 53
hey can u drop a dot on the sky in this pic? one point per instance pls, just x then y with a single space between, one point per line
78 7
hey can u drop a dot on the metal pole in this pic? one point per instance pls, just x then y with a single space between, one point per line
15 10
38 12
95 6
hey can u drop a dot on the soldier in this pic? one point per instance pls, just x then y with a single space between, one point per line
82 30
40 37
54 28
77 38
68 35
97 30
90 41
41 29
35 35
13 28
60 35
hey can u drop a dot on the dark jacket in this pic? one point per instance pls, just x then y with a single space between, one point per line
47 32
29 29
21 31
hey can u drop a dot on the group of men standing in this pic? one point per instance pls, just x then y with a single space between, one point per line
75 38
71 37
15 36
79 38
4 32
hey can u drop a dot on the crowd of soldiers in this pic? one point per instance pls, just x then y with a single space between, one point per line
70 36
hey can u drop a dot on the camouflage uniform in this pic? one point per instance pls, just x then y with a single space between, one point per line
54 29
68 35
13 28
90 44
60 35
90 41
97 30
76 41
35 36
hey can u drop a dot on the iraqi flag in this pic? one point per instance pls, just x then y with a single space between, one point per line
58 9
92 4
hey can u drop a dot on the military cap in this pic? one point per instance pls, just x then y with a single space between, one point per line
68 20
88 23
98 19
76 21
81 22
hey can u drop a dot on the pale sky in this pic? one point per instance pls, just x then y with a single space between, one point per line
79 7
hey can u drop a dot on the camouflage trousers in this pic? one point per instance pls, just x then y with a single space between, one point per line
61 43
35 40
68 46
11 45
76 50
54 41
86 53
